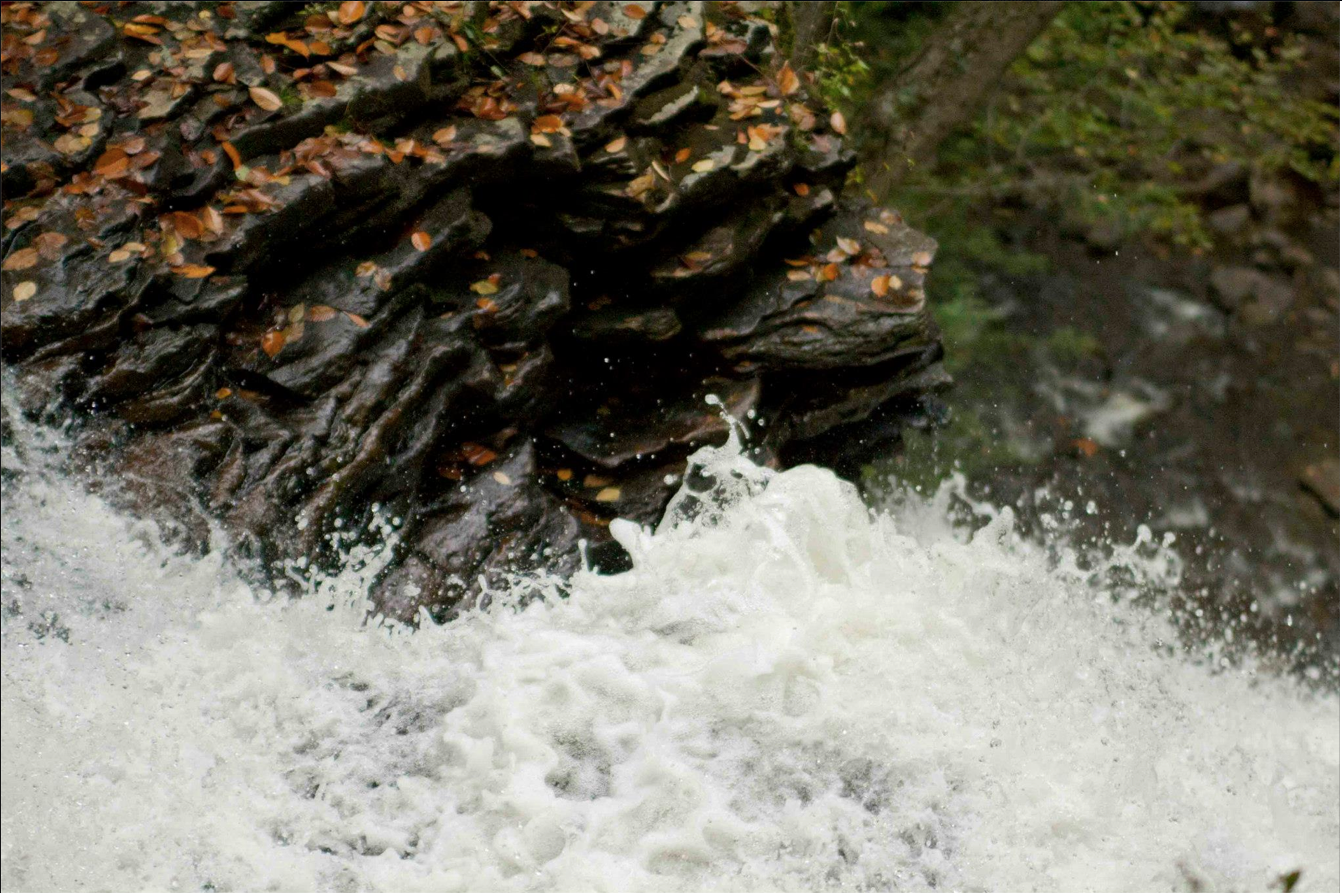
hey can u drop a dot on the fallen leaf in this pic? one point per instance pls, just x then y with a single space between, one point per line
421 240
703 166
187 225
849 247
564 474
682 156
535 59
272 343
1086 447
880 286
828 273
801 189
788 81
477 454
223 73
223 393
837 122
635 12
609 494
350 12
266 99
798 275
443 136
547 124
687 22
20 260
541 140
232 153
872 226
485 287
49 244
502 478
24 290
118 256
193 271
616 144
357 319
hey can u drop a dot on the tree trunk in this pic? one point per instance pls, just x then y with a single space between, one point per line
471 265
949 79
811 24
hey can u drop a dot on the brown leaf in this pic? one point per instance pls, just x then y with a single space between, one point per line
232 153
849 247
801 189
266 99
608 494
24 290
616 144
880 286
1086 447
357 319
535 59
788 81
635 12
49 244
477 455
223 73
837 122
187 225
272 343
564 474
350 12
112 164
321 313
872 226
421 240
193 271
20 260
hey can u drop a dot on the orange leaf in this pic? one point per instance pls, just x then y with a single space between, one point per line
112 164
232 153
421 240
682 155
880 286
350 12
615 145
828 273
357 319
20 260
272 343
788 81
321 313
547 124
635 12
801 189
193 271
1086 447
265 98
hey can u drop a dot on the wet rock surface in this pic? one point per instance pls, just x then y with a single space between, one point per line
474 266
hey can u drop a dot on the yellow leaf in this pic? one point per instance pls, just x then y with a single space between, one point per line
25 290
484 287
609 494
703 166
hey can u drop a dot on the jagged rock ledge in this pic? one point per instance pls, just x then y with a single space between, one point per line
476 263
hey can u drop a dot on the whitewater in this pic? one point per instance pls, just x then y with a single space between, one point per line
788 691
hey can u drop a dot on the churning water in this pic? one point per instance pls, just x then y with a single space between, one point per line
787 692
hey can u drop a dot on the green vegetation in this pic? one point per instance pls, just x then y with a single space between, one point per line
1111 113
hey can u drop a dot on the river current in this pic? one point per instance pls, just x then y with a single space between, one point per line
788 691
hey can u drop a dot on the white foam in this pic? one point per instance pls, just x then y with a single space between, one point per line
786 693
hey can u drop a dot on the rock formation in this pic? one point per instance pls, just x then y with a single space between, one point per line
477 264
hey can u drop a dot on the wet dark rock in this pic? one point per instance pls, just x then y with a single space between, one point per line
493 309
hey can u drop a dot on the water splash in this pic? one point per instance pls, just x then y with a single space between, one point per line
787 692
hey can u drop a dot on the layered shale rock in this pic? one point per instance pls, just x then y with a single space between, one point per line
477 265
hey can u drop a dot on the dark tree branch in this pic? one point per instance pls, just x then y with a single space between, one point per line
949 80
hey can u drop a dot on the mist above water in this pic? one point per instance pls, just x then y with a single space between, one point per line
787 692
